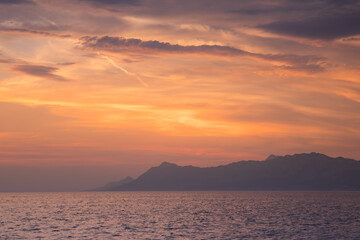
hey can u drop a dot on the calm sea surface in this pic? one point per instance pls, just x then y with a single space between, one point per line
180 215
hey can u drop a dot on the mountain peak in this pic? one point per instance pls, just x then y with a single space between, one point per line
128 178
317 154
312 155
271 157
167 164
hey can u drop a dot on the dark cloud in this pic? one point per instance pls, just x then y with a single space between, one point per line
294 62
351 39
5 60
314 19
257 9
113 2
326 27
23 30
66 63
118 44
341 3
14 1
39 71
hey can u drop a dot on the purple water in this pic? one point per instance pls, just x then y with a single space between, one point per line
180 215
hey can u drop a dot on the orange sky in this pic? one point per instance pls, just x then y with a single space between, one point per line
124 85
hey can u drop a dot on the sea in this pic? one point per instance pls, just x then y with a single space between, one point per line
180 215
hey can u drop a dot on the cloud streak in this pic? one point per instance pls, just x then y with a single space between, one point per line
119 44
112 2
123 70
307 63
24 30
39 71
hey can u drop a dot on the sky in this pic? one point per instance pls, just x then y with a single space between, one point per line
92 91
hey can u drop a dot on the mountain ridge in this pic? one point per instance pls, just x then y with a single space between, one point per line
304 171
111 185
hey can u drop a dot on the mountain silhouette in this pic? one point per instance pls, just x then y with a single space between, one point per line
306 171
113 185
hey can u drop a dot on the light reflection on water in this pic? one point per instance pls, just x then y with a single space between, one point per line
186 215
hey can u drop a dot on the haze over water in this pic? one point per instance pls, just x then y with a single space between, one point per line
180 215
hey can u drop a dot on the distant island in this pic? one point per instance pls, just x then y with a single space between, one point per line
306 171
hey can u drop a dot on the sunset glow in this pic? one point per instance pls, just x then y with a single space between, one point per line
125 85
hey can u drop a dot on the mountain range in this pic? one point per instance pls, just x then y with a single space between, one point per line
306 171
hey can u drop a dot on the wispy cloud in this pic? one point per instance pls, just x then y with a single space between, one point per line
112 2
39 71
4 59
24 30
123 69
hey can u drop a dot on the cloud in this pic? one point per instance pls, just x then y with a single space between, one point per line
118 44
113 2
307 63
3 59
307 7
40 27
66 63
63 19
294 62
15 1
19 65
256 9
39 71
124 70
23 30
325 27
342 3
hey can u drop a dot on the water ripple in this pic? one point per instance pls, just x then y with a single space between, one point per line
180 215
